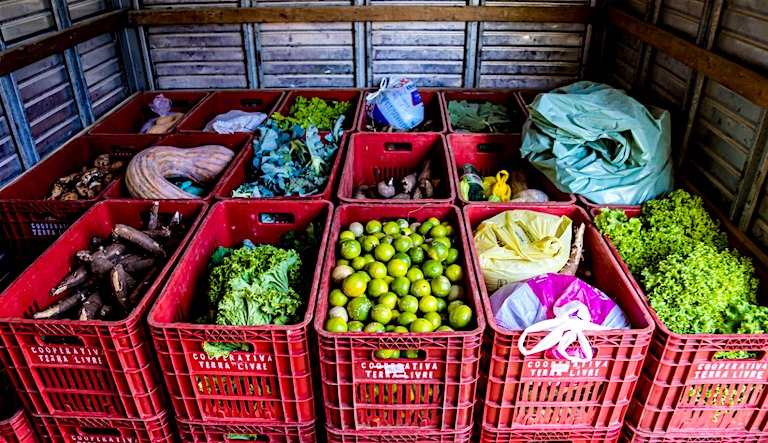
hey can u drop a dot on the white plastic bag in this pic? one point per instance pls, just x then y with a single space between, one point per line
396 103
235 121
561 304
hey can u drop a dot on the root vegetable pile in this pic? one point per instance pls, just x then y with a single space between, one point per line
398 277
414 186
88 182
113 275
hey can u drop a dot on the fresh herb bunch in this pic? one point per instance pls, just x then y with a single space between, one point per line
480 117
693 281
290 163
312 112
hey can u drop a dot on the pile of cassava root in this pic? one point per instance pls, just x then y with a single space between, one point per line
86 183
113 276
413 186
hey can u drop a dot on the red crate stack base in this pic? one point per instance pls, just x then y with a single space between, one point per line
89 368
399 436
631 435
490 153
221 102
374 157
59 429
274 381
130 118
562 435
518 392
442 383
276 432
18 429
29 223
433 110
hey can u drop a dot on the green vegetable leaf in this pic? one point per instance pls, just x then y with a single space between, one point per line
480 117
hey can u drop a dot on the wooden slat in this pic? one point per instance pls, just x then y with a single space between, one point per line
325 14
27 53
734 76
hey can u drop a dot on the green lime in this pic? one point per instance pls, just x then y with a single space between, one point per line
403 244
425 228
454 273
444 328
342 262
359 308
376 287
420 288
376 269
406 318
369 243
401 329
388 299
336 324
414 274
421 325
428 303
395 313
417 255
384 252
448 230
411 353
384 354
337 298
373 227
379 235
390 228
381 314
408 303
441 305
397 268
437 231
453 255
432 268
453 305
368 259
355 326
350 249
417 239
406 231
460 317
395 353
354 285
374 327
404 257
389 328
358 263
346 235
444 240
434 221
437 251
400 286
440 285
402 223
433 318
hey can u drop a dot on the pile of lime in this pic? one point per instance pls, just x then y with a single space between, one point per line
398 277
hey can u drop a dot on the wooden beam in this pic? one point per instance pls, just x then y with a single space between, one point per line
546 14
743 81
27 53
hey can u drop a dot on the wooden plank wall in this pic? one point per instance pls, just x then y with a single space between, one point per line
720 137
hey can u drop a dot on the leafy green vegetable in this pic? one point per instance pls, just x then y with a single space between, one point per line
290 163
189 187
253 285
315 112
693 281
306 242
479 117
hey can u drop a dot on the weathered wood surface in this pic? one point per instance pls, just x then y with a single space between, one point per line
26 53
543 14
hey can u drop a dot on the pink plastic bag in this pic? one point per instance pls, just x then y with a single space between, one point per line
561 304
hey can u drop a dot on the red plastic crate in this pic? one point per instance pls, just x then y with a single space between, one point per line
519 394
236 142
18 429
268 432
526 97
58 429
681 372
506 97
631 435
373 157
85 368
399 436
486 435
280 359
353 96
351 374
29 223
221 102
490 153
130 118
433 110
238 173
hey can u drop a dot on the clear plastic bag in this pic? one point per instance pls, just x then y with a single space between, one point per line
396 103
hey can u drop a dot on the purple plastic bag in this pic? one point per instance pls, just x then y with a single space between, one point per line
562 304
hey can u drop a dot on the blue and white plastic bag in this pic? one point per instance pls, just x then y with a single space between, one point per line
397 103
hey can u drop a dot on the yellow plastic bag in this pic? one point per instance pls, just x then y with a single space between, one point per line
517 245
501 189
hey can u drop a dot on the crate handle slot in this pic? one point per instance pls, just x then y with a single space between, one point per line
393 146
422 356
90 432
182 103
252 102
490 147
276 218
72 340
246 437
